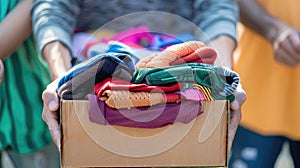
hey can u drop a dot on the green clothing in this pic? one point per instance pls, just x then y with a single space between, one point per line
223 82
21 126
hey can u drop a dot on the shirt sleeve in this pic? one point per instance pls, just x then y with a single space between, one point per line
216 18
54 20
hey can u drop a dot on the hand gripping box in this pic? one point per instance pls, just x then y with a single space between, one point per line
201 142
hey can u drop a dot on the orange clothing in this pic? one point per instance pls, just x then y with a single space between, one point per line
273 90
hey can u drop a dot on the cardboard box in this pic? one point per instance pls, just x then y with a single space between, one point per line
202 142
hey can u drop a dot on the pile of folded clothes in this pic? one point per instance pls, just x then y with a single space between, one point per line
161 89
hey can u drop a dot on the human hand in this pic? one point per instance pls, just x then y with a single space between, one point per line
50 111
225 47
1 71
286 46
235 115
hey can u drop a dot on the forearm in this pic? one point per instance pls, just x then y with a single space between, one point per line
256 18
225 46
58 58
54 20
15 28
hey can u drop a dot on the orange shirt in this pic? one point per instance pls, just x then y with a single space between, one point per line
273 90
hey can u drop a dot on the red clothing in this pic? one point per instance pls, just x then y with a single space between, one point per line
117 84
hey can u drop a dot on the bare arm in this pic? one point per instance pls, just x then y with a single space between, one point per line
53 24
15 28
256 18
219 24
225 46
284 38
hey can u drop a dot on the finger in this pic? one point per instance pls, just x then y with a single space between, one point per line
50 97
240 98
234 122
295 40
56 137
51 100
1 71
51 118
283 57
291 51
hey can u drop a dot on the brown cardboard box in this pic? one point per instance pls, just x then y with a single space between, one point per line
202 142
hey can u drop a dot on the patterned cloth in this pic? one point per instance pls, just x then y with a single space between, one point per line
222 82
126 99
80 80
26 76
118 84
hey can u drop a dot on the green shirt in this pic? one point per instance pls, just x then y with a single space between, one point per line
21 126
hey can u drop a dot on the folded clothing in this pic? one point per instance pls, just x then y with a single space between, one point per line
119 84
117 93
222 81
126 99
112 46
80 79
205 91
143 117
191 51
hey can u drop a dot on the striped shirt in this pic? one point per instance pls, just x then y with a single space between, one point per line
21 126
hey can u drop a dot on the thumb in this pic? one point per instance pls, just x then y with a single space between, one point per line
50 97
240 98
51 100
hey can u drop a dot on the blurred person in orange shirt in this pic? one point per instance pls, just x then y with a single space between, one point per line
268 57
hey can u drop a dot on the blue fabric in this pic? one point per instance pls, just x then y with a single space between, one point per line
110 62
253 150
122 48
116 47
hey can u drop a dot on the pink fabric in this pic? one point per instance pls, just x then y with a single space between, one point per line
133 36
192 94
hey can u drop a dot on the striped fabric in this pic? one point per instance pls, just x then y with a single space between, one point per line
222 81
205 91
21 125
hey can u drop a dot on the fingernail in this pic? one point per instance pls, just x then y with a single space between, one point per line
52 105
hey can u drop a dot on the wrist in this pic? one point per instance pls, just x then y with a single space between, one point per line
225 46
276 29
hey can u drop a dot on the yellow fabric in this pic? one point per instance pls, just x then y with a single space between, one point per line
205 91
273 90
